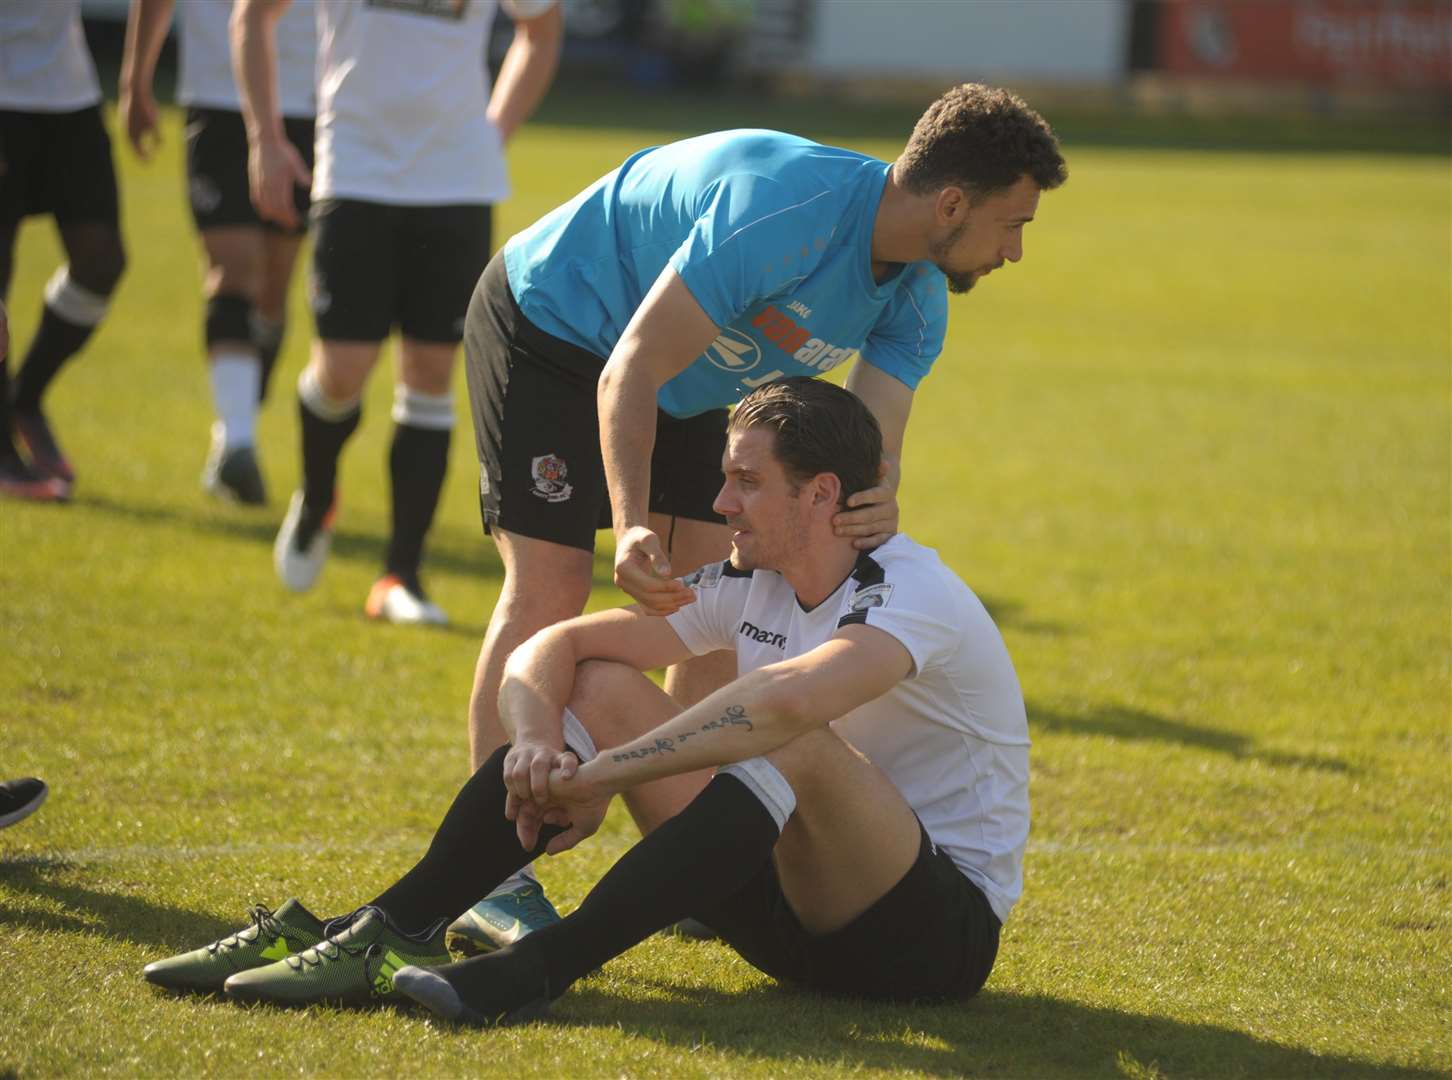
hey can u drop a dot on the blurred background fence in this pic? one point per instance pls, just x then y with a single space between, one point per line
1159 55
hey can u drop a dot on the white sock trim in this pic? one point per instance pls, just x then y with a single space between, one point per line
73 303
767 784
310 391
236 379
578 739
432 412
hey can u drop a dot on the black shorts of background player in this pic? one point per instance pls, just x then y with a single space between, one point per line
57 164
247 263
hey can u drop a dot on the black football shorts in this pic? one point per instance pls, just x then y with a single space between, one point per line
537 430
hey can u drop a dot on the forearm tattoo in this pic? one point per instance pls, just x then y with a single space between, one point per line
733 716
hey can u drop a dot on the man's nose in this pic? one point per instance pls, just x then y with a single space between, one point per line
724 504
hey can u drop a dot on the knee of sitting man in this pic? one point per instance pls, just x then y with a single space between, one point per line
810 757
597 683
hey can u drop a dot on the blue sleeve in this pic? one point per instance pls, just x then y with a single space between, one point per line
752 238
909 334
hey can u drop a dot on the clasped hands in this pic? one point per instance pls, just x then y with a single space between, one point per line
547 786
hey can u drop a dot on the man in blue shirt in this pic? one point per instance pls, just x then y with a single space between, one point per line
605 343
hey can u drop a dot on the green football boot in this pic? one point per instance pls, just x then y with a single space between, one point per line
272 936
501 919
351 966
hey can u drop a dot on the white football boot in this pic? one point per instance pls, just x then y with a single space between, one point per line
299 558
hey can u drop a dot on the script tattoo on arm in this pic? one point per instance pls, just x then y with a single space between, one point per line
734 716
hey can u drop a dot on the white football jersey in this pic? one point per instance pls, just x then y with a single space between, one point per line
402 94
45 65
204 44
952 737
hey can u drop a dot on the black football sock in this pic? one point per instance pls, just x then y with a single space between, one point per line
474 849
701 856
322 442
7 437
417 463
267 339
57 340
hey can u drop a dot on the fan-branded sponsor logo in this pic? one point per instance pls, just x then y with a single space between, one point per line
797 341
453 10
765 637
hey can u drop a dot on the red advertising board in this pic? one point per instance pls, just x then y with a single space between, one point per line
1404 44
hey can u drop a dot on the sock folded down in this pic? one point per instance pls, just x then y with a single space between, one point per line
704 854
768 784
74 303
311 393
577 739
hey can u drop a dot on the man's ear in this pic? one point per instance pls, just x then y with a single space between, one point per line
952 205
826 489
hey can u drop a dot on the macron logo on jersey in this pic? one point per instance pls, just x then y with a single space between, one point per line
765 637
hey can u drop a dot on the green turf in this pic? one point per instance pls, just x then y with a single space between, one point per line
1193 453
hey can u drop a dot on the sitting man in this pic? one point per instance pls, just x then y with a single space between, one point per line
863 830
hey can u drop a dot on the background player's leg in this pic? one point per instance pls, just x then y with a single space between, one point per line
423 416
690 545
544 583
329 395
76 298
269 323
232 257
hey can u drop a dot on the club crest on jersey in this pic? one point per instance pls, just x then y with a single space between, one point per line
733 351
708 577
870 597
438 9
549 471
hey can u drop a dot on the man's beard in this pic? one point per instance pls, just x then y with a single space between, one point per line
959 281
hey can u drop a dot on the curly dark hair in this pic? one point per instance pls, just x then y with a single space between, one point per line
820 428
981 139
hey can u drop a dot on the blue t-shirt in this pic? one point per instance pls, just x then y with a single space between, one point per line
771 233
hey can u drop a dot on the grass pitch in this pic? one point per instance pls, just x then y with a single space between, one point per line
1193 453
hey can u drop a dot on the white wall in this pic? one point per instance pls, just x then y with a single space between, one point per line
1065 41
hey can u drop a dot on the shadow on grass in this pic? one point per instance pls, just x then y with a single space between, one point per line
993 1034
89 910
447 550
1123 722
1009 615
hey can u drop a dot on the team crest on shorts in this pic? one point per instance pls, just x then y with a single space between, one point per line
549 471
318 293
204 195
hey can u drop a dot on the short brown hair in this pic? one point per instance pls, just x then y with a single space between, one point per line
981 139
820 428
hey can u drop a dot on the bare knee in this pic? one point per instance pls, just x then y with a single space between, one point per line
817 756
598 683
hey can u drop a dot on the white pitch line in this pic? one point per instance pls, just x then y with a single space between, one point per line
415 845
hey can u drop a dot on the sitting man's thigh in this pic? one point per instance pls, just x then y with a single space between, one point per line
858 900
